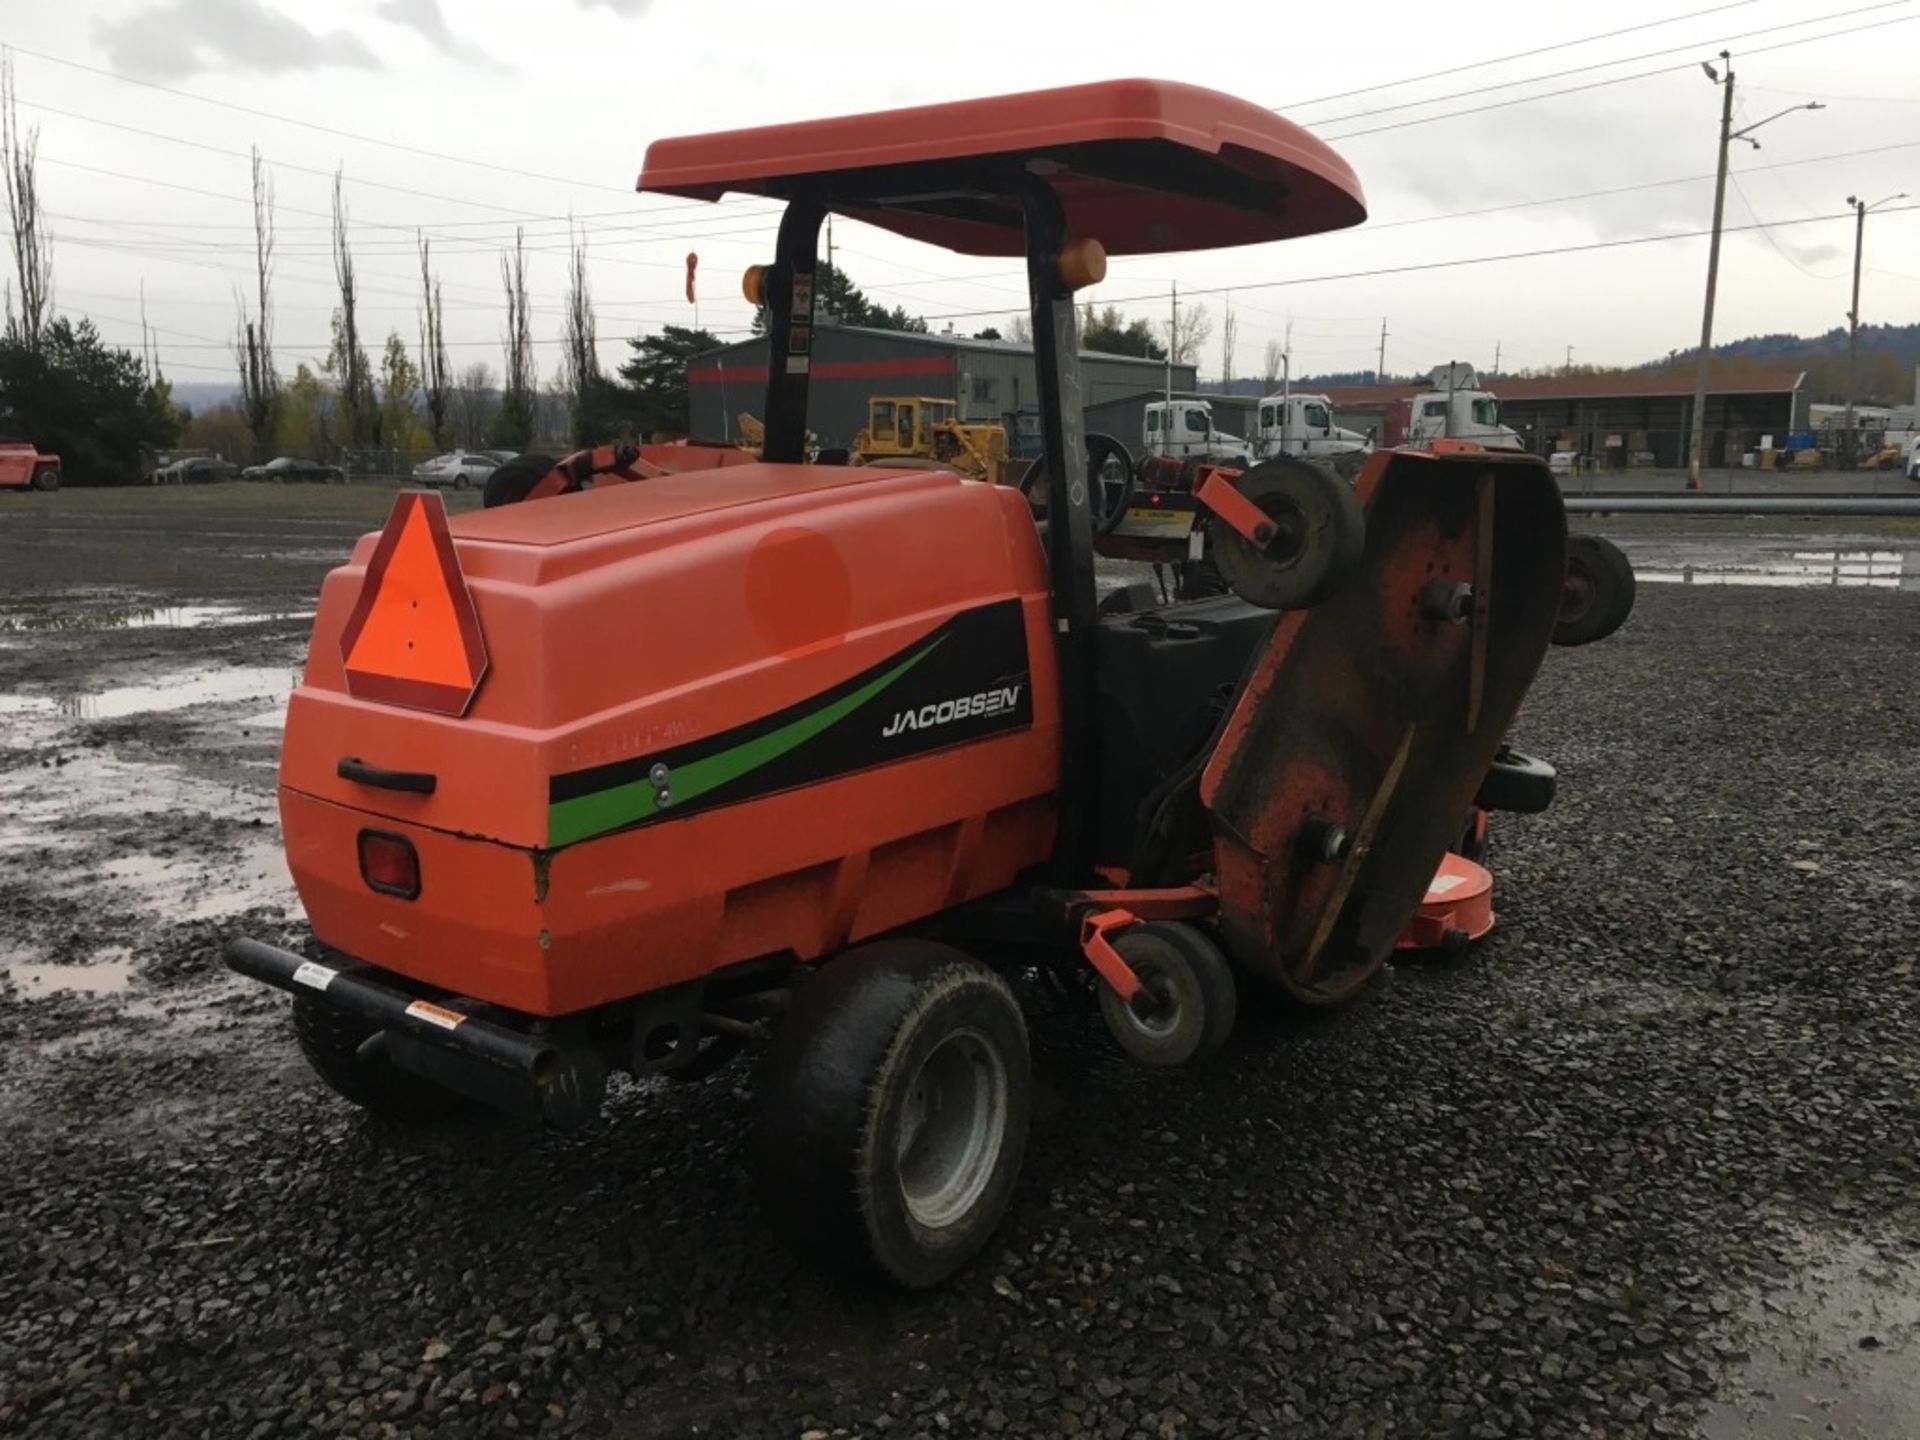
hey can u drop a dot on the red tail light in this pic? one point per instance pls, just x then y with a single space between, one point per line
388 864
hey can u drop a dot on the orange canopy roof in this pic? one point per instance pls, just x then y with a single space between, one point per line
1143 166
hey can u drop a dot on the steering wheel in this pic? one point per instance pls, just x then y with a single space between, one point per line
1110 484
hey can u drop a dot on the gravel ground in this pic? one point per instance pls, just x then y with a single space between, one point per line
1564 1188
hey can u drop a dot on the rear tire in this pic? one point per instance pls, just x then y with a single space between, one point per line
892 1111
46 478
460 481
331 1042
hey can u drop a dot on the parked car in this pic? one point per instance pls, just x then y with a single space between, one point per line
198 470
1913 458
462 469
291 468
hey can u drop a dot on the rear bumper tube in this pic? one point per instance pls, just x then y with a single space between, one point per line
385 1007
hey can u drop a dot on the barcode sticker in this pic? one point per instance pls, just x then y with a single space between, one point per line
316 976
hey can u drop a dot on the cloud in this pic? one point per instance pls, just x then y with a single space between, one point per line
425 16
181 37
626 8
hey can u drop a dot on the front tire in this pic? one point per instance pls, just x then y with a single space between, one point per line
893 1108
331 1043
460 481
46 478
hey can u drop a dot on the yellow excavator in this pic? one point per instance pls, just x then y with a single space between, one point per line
912 432
927 431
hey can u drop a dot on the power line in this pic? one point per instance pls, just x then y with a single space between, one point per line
1615 80
1689 48
1778 248
1503 59
1428 265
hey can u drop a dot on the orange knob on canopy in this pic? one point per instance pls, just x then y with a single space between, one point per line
1083 263
693 263
753 284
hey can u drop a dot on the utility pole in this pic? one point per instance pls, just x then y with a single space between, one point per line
1860 209
1699 436
1727 135
829 240
1286 391
1380 370
1496 357
1173 333
1568 370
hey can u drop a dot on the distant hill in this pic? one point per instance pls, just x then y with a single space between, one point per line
198 395
1888 355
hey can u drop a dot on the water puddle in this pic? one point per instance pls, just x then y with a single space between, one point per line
86 613
1796 569
1835 1352
186 887
207 687
110 976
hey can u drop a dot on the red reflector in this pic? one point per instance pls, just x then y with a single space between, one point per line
388 864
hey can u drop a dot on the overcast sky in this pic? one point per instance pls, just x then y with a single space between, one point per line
147 186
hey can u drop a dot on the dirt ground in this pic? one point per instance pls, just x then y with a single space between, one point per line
1643 1165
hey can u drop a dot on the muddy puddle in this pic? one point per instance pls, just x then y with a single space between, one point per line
269 685
1833 1351
109 974
1868 569
94 612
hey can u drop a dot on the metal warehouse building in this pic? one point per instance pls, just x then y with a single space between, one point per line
1615 418
991 380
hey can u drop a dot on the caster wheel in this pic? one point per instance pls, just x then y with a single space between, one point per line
1319 535
1186 1009
1597 597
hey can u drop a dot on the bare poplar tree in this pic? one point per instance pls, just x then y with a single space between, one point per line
1275 359
253 341
149 357
435 373
513 425
356 382
581 359
1229 332
474 403
1191 328
32 258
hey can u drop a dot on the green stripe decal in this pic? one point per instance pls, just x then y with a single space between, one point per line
585 816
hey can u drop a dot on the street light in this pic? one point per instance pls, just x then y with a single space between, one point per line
1853 315
1727 135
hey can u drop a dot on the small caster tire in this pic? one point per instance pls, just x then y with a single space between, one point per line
1189 1000
1597 596
1319 537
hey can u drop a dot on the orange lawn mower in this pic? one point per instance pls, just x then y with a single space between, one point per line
719 753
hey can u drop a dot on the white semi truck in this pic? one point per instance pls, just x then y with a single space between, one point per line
1455 408
1292 424
1183 429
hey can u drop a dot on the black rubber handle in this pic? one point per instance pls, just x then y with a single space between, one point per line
413 782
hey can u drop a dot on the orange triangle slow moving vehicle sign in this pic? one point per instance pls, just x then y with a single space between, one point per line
414 637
